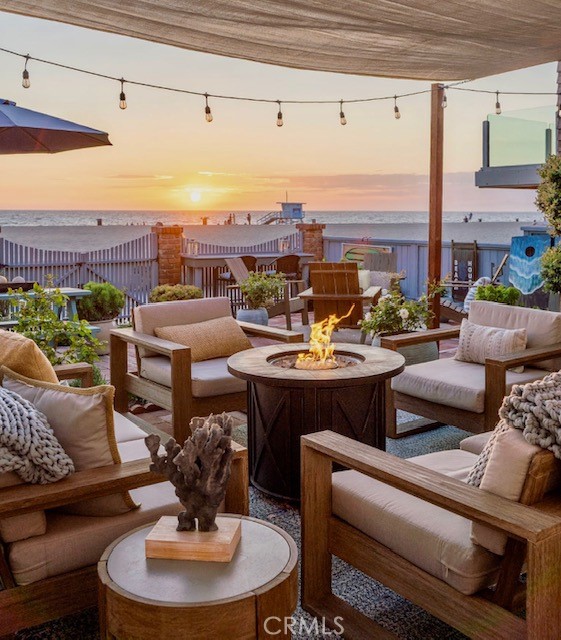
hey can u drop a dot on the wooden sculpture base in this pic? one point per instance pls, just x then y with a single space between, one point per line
164 541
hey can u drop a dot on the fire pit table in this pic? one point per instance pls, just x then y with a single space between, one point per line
285 402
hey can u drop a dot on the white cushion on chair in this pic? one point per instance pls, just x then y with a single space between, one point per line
454 383
432 538
209 378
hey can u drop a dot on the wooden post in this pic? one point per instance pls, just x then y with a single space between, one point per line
435 194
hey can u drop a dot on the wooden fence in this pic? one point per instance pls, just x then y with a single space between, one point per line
131 266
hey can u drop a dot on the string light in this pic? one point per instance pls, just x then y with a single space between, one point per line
498 109
208 113
122 96
396 113
26 82
342 118
279 115
444 99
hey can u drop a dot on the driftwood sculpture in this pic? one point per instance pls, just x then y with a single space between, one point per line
199 471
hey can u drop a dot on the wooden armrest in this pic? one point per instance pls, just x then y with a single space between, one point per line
526 357
372 292
418 337
282 335
82 485
519 521
165 347
76 371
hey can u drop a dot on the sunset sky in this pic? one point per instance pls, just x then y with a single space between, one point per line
165 156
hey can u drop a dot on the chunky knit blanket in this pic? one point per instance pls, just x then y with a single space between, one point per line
28 445
535 409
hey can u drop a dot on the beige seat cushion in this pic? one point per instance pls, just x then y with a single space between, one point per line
24 526
82 421
433 539
218 338
543 328
126 430
165 314
454 383
209 378
505 474
23 356
474 444
73 542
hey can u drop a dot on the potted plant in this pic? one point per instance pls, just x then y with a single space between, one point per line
394 314
260 290
101 308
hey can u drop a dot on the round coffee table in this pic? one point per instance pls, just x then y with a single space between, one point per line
145 598
286 403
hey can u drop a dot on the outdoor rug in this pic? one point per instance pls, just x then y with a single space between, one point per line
371 598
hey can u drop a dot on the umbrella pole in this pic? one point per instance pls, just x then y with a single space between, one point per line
435 194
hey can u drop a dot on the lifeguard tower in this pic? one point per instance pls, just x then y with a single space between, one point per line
290 213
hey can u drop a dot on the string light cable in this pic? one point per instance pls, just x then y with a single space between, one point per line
280 121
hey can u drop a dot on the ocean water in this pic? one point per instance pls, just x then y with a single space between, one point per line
54 218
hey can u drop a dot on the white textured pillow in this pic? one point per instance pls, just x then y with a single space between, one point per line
478 342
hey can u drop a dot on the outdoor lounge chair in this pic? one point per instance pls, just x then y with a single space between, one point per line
410 524
166 375
466 394
52 573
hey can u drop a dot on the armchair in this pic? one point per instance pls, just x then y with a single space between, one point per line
53 574
466 394
166 375
408 525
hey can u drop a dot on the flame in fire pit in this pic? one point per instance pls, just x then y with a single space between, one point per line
321 352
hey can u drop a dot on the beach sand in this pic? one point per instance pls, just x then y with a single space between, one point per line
88 238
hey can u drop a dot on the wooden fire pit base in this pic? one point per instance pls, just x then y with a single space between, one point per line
284 404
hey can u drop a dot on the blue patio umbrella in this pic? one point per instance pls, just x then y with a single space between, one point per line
26 131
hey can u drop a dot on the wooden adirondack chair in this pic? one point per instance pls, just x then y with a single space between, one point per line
335 288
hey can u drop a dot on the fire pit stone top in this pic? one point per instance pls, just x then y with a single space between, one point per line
365 364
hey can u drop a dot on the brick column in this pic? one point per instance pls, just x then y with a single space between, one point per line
312 239
169 253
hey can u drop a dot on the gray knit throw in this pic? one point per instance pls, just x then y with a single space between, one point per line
28 445
535 409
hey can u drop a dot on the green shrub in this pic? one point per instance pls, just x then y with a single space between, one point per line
551 269
548 198
37 319
169 292
98 378
260 289
104 303
498 293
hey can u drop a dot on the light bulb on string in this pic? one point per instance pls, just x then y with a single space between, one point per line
208 113
26 82
279 115
396 112
122 96
444 103
342 118
498 109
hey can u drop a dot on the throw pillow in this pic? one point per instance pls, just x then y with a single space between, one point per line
218 338
383 279
82 421
478 342
22 355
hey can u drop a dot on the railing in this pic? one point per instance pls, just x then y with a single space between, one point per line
131 266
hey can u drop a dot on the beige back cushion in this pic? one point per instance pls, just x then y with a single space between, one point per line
218 338
504 476
22 355
165 314
543 328
82 421
20 527
478 342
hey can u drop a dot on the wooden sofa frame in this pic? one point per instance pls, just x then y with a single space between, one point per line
534 533
46 600
495 382
178 399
